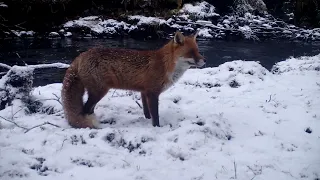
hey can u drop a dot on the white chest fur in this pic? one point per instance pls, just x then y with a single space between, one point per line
180 69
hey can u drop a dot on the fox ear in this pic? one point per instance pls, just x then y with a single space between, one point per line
178 38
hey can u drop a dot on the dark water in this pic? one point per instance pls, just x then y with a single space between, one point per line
216 52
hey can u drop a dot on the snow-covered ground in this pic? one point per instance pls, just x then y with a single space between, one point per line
235 121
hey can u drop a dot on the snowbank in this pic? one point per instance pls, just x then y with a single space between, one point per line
199 9
97 25
237 115
243 23
3 5
202 16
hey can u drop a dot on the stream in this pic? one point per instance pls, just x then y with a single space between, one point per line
36 51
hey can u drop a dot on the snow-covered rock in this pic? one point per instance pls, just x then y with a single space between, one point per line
199 10
192 16
3 5
23 33
97 25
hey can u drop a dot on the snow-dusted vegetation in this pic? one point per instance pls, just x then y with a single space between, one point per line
235 121
243 24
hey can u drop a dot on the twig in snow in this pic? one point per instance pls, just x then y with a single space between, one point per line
16 113
12 117
58 98
128 164
27 129
41 125
63 143
139 104
113 93
13 123
269 98
255 172
235 169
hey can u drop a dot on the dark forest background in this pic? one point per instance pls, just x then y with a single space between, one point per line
44 15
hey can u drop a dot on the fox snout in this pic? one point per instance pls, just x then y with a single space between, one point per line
200 61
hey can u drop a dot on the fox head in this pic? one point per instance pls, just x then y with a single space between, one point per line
187 50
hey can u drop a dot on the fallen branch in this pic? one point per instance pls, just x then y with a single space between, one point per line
58 98
29 129
53 65
5 66
45 123
139 104
235 169
63 144
38 66
13 123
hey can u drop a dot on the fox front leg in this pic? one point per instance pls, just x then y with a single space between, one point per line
145 106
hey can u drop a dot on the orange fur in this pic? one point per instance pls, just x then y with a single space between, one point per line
149 72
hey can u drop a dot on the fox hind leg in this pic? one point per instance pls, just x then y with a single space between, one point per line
93 98
145 106
88 108
153 104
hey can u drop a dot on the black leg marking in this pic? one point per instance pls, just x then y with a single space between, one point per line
145 106
92 101
153 102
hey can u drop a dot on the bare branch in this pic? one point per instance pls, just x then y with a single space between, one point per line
113 92
63 143
235 169
139 104
13 123
18 55
53 65
38 66
269 98
58 98
16 113
5 66
45 123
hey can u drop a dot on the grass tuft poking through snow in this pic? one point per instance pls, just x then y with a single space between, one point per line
235 121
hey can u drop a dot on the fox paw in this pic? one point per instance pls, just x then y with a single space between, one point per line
147 116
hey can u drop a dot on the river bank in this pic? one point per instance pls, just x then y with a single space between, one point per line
250 23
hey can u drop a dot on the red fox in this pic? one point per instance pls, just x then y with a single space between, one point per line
149 72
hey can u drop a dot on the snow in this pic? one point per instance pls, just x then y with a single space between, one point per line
200 9
245 6
67 34
23 33
205 33
247 32
213 120
226 21
53 34
97 25
143 20
199 15
3 5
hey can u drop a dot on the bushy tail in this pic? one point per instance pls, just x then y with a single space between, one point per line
72 93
